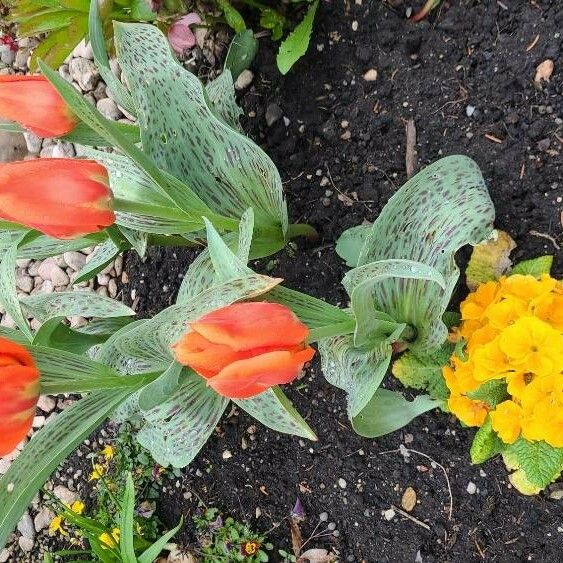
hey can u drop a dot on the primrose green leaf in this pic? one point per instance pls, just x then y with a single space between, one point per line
486 444
424 371
534 267
388 411
241 53
297 42
69 303
177 429
441 209
273 409
359 372
492 392
182 134
49 447
540 462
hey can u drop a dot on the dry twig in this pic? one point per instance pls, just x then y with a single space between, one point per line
410 155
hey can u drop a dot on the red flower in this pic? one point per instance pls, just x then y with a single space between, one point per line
245 348
61 197
19 392
36 105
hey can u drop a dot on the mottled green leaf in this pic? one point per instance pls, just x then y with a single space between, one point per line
486 444
534 267
241 53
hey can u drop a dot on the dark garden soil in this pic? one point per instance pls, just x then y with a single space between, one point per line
466 78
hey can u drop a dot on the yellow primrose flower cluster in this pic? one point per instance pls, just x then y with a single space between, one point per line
513 331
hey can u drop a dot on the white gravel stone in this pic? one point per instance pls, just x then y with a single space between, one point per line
63 150
4 465
83 50
389 514
103 279
4 555
77 322
75 260
84 72
47 403
38 421
43 519
342 483
112 288
47 152
22 56
471 488
51 272
7 56
33 142
108 108
12 146
46 287
24 282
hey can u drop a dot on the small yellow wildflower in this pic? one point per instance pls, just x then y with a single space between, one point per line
98 472
110 540
56 525
108 452
506 420
77 507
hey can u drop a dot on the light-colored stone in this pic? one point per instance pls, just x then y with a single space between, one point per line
46 287
84 73
75 260
83 50
38 421
63 150
23 262
47 152
244 79
25 526
108 108
22 56
47 403
4 465
77 322
33 142
25 283
370 75
64 494
64 72
112 288
5 555
103 279
7 55
26 544
50 271
100 91
12 146
43 519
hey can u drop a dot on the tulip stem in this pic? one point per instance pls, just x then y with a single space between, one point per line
337 329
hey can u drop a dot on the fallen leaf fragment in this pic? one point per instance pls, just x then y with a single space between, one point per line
316 556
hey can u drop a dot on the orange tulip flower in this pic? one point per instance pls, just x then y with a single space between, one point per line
246 348
19 392
34 103
62 197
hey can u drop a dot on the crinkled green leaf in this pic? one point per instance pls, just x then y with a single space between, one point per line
295 45
491 392
177 429
486 444
388 411
534 267
273 409
424 371
540 462
181 133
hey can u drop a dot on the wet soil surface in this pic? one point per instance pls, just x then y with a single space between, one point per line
466 78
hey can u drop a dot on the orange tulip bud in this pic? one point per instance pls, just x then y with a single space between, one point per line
34 103
246 348
19 392
62 197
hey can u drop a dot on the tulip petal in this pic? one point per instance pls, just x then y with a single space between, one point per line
63 198
19 392
243 326
35 104
249 377
180 35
